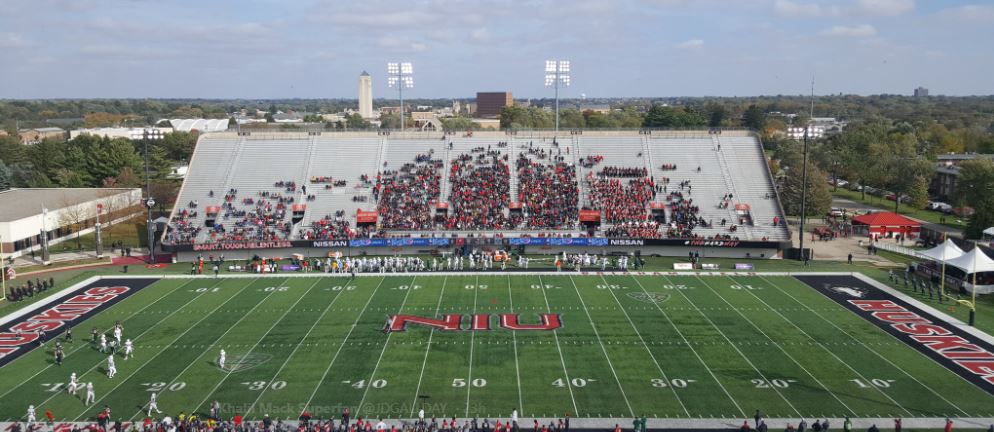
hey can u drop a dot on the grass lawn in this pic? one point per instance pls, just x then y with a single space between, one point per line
885 204
131 232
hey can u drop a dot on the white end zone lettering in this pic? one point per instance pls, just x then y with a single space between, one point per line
21 334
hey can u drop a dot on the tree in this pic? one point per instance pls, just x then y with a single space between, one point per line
459 124
73 216
716 114
572 119
355 121
178 146
754 118
660 116
6 176
819 199
973 189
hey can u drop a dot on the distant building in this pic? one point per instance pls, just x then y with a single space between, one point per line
493 124
365 95
290 117
602 109
23 215
120 132
200 125
37 135
947 172
921 92
489 104
456 107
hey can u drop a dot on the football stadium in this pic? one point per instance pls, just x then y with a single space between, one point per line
483 280
588 216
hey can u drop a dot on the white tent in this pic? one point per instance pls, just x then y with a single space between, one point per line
972 262
944 252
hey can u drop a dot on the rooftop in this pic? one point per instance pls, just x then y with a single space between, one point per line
18 204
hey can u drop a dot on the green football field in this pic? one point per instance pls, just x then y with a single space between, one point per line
664 347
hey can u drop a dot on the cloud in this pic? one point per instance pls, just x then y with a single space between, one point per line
12 40
384 19
970 13
691 44
860 31
857 8
884 7
400 45
480 35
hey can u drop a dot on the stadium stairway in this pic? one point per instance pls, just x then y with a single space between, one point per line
346 159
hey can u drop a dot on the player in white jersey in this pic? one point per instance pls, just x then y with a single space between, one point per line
220 360
128 349
73 384
111 367
153 405
31 414
117 334
91 397
103 342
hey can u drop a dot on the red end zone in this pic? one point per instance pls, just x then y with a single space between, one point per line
964 354
22 334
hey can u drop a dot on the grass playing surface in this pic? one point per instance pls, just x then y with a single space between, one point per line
696 347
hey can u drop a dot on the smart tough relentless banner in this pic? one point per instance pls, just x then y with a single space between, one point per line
965 354
24 333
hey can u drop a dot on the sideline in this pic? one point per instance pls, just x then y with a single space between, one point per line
607 424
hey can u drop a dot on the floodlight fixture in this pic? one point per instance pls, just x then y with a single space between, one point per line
557 74
400 75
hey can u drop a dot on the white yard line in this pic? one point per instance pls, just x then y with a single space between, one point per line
562 360
603 350
741 354
383 351
779 347
472 345
86 343
514 337
208 349
301 343
122 381
438 307
256 344
845 363
860 342
342 344
646 346
688 344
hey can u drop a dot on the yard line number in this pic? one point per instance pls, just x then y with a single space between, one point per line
772 383
575 382
262 385
476 382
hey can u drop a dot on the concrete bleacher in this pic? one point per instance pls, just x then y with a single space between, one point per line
747 165
253 163
346 159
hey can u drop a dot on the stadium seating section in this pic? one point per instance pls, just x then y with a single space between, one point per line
311 187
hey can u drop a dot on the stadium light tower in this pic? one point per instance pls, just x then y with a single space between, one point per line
147 135
400 75
556 74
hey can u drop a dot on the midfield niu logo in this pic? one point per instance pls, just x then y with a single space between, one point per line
475 322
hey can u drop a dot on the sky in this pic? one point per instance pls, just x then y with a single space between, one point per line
260 49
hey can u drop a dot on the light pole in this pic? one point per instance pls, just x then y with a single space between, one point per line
804 188
556 73
146 136
3 273
400 75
